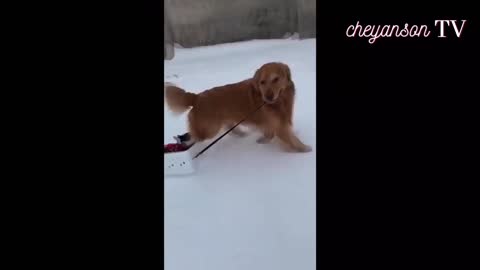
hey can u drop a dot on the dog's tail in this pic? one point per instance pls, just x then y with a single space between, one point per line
178 100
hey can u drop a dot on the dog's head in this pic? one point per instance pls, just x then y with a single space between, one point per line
271 79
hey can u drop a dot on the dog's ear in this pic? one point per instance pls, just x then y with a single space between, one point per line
256 78
286 69
255 75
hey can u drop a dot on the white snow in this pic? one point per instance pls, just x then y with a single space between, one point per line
248 206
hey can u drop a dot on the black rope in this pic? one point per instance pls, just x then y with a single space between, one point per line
212 143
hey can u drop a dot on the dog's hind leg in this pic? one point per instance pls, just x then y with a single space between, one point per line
237 131
267 137
202 130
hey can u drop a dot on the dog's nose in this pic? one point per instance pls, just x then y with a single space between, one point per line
269 96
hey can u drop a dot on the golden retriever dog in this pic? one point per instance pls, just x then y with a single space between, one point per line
224 106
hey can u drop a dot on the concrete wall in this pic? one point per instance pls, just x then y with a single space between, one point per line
192 23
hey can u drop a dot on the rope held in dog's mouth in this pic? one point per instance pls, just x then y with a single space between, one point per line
226 132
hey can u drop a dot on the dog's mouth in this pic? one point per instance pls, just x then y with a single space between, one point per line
269 101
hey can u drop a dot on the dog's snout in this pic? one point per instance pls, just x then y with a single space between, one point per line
269 96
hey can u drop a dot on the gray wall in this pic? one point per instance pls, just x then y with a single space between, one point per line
192 23
307 14
168 50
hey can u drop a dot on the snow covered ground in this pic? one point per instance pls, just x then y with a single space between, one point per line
248 206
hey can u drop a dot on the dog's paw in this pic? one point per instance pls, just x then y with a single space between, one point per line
239 133
305 149
263 140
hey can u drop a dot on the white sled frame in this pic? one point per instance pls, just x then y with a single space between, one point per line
179 163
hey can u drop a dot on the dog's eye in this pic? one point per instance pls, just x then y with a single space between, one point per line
275 80
262 82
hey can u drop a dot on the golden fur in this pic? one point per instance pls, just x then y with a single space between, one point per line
224 106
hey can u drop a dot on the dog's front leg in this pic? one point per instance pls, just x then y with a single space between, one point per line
287 136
